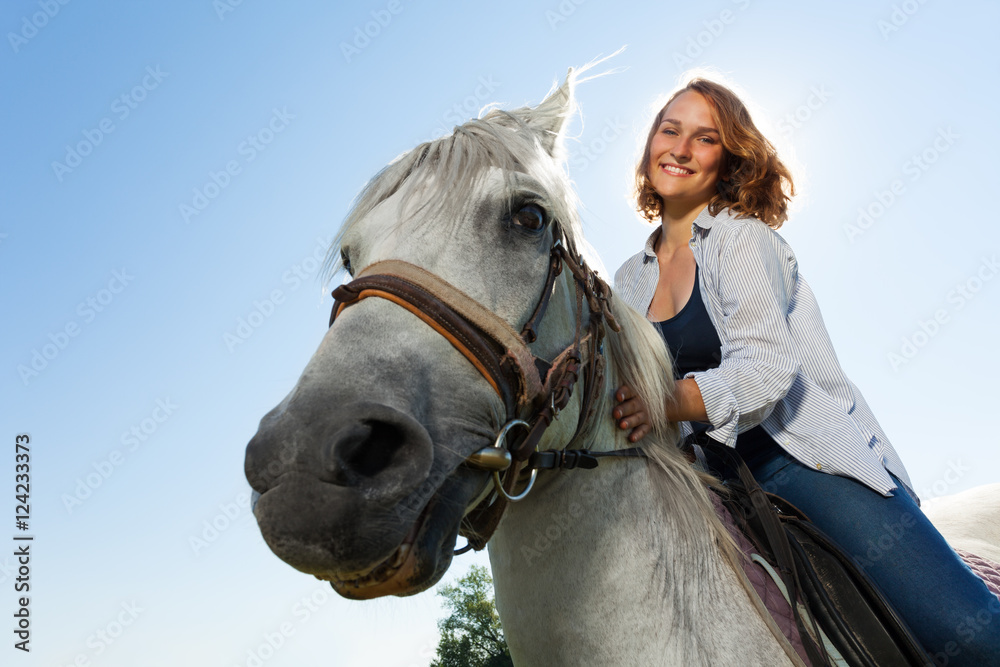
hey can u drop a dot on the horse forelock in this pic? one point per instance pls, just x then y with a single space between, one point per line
455 165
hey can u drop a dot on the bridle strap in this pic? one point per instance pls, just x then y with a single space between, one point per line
482 521
567 459
559 383
484 338
459 334
529 332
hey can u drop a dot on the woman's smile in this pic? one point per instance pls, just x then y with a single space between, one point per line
676 170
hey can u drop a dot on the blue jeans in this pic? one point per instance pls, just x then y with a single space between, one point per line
949 609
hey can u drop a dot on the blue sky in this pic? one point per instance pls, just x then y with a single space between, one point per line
123 119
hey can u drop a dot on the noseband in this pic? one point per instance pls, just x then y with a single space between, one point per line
529 387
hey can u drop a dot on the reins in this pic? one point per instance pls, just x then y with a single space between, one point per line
529 386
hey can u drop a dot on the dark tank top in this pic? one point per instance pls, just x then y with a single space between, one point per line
694 346
690 336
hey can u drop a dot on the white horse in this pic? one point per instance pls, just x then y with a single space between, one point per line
969 520
360 469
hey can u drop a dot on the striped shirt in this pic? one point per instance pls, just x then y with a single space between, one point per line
778 365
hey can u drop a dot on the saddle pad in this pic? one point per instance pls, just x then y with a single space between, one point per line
767 590
984 568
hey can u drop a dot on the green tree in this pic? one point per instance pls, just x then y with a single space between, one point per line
471 636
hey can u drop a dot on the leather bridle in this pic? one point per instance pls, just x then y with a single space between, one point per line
529 387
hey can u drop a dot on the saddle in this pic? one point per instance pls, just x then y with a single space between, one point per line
833 602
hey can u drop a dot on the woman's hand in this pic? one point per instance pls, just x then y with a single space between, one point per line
630 413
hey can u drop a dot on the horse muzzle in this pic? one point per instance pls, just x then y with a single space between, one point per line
319 475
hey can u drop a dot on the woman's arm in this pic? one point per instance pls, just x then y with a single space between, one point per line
757 273
756 277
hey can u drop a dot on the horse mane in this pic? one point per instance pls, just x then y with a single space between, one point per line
638 357
520 141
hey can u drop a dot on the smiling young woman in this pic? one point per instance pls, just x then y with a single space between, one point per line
756 369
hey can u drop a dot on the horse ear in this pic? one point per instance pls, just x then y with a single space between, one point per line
549 119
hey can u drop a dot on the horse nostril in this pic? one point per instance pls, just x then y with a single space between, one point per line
363 450
371 448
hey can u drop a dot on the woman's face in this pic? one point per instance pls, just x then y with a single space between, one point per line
685 155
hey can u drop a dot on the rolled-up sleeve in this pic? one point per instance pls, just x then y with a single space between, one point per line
756 279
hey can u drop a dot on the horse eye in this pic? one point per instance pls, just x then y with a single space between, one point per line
530 217
345 261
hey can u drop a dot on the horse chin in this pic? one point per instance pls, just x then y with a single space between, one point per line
417 564
404 558
407 570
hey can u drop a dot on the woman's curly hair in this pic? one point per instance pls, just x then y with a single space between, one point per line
753 182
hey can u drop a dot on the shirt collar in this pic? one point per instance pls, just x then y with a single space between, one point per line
650 249
705 220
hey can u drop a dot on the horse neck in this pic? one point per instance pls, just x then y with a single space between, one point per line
594 560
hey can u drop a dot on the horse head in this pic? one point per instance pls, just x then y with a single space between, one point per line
360 468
